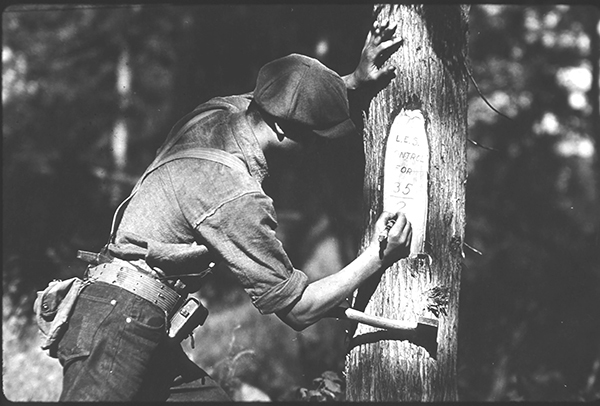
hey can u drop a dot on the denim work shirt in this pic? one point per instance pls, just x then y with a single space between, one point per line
191 202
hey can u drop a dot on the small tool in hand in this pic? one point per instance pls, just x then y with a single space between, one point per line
384 234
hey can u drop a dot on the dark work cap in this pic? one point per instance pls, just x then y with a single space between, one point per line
302 90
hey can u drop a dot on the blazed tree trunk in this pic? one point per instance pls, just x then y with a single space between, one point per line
431 88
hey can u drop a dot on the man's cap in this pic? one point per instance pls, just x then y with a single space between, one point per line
302 90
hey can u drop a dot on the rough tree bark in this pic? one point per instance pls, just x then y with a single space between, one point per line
431 79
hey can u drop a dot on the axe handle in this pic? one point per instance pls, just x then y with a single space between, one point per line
380 322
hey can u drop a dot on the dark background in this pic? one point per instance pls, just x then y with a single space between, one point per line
529 305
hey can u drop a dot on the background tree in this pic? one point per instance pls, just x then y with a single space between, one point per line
525 330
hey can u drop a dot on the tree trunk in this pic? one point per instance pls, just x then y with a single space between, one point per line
593 18
120 134
431 88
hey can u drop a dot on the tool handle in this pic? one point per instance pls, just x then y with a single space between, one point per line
92 258
380 322
384 234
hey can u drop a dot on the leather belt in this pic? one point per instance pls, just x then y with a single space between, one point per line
137 283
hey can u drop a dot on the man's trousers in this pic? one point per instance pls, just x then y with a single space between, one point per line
115 349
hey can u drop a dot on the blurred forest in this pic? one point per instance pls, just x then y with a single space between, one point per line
90 92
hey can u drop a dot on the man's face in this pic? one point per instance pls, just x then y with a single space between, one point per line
295 132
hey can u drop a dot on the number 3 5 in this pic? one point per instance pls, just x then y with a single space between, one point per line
404 190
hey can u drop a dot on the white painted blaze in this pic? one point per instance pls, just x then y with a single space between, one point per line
405 174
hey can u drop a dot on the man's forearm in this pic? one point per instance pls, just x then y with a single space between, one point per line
323 295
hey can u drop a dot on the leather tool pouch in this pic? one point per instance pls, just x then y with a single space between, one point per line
53 307
190 315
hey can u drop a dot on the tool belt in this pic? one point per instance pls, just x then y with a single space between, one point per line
123 275
183 315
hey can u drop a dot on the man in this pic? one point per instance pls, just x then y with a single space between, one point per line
204 196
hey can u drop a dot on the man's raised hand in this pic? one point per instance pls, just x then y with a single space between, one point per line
379 46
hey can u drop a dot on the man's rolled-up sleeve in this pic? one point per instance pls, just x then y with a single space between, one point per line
241 231
283 294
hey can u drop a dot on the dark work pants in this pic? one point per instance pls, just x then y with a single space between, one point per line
115 349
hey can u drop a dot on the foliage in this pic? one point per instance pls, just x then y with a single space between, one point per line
326 388
532 210
28 373
225 371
